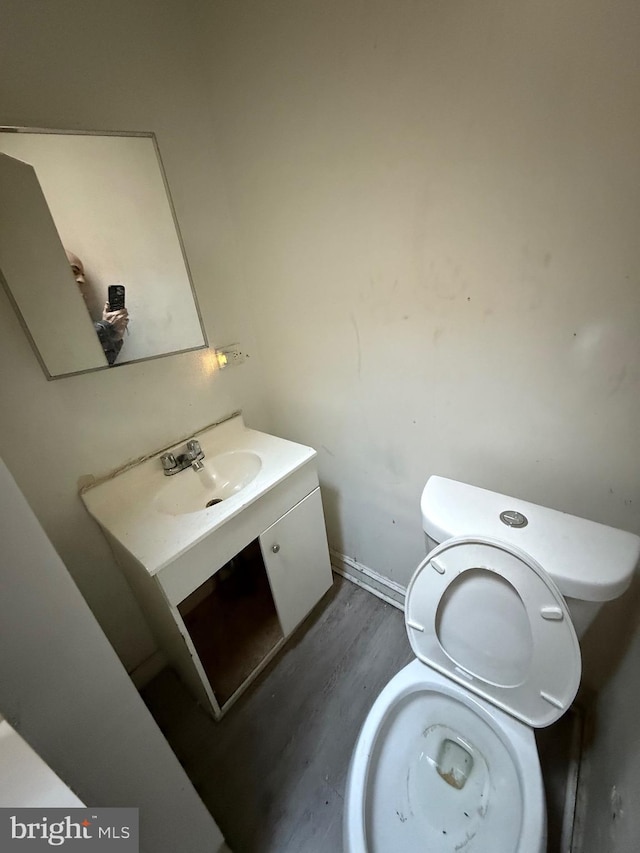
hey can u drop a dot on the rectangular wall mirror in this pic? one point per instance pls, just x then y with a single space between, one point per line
99 201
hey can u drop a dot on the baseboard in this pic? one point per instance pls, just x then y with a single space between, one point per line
148 669
386 589
569 840
582 782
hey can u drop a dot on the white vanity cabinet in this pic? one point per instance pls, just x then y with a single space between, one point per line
278 549
295 554
221 583
282 575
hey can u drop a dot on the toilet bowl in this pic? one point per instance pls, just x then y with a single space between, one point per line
408 790
446 759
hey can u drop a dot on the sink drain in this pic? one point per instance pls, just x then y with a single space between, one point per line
213 502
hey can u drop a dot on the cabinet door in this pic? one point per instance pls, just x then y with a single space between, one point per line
296 556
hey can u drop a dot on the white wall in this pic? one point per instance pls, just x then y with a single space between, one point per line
610 776
64 691
439 208
119 66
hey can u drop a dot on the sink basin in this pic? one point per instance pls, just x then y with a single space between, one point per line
156 519
199 491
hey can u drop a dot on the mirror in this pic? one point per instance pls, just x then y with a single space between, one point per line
100 199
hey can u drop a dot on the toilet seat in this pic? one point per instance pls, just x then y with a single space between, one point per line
488 616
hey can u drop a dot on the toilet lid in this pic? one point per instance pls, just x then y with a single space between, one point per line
488 616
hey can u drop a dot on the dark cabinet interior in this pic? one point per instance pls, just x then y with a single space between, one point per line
232 621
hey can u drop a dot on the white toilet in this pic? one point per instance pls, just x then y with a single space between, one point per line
447 759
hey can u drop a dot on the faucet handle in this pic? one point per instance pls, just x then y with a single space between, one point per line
194 450
169 462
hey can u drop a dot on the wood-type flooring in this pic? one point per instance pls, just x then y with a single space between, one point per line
273 771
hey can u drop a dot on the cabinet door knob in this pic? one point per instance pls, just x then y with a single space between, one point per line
275 548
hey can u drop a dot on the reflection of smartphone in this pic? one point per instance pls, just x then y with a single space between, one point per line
116 297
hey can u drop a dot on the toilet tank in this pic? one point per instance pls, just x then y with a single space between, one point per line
589 562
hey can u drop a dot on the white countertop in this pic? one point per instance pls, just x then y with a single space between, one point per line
125 504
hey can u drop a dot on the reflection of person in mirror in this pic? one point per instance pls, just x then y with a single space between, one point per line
111 328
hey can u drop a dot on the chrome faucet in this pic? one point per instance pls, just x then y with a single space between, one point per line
191 457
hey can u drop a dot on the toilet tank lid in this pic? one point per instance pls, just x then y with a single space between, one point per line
587 560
